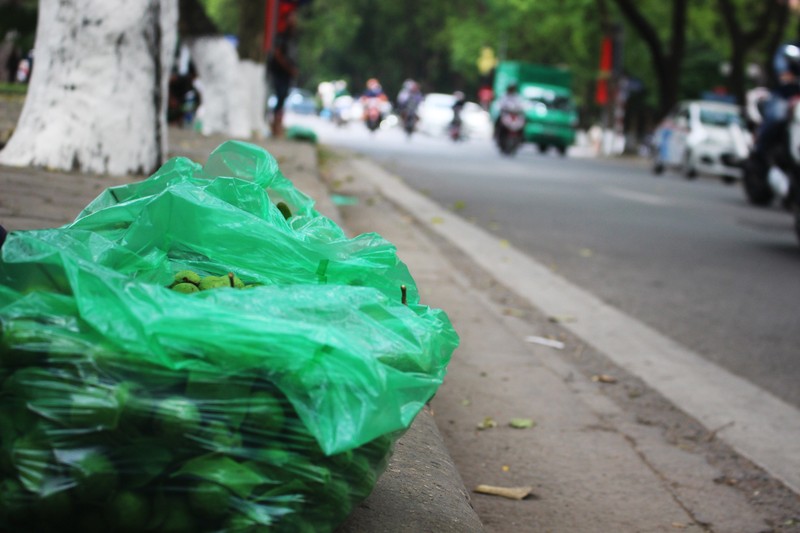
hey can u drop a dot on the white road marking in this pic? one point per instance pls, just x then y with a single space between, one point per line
640 197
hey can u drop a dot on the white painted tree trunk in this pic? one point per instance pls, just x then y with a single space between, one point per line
255 83
97 97
224 106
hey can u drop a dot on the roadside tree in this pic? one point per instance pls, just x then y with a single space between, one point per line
97 96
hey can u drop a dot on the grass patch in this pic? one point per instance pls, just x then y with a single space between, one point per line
13 88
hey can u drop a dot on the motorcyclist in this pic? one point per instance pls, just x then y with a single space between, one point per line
409 98
460 100
786 63
374 90
373 100
511 101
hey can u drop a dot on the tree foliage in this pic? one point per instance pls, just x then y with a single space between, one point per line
676 49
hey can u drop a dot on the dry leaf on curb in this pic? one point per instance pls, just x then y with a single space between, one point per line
521 423
487 423
437 220
604 378
544 341
561 319
513 493
678 525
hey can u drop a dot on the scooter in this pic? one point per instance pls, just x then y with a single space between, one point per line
454 129
373 113
410 118
510 129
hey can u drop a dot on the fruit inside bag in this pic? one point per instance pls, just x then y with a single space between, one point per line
271 401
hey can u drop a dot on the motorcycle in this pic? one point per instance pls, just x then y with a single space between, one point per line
343 108
510 130
373 112
778 174
454 129
410 117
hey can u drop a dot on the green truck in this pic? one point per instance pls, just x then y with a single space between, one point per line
551 115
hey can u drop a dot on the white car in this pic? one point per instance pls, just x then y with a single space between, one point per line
702 137
436 111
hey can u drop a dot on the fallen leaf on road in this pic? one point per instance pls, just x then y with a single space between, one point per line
545 342
678 525
504 243
510 311
505 468
521 423
458 205
487 423
604 378
437 220
465 402
561 319
513 493
585 252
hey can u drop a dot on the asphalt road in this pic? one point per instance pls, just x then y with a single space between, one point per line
691 259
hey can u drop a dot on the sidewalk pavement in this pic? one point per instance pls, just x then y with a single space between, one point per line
592 466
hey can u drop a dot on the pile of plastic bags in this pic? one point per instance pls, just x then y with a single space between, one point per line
128 406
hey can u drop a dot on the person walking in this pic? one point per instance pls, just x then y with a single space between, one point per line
282 65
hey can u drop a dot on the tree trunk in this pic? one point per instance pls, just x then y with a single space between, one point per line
224 93
667 65
255 83
98 93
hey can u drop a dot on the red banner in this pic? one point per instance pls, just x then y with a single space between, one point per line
606 64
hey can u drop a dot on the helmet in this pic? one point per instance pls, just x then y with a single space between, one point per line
788 59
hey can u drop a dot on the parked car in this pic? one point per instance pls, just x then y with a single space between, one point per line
436 111
702 137
300 101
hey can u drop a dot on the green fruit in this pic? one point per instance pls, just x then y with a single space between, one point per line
32 457
185 288
15 502
265 414
235 281
284 209
362 478
96 477
209 499
178 518
8 434
54 510
213 282
91 521
143 461
97 407
187 276
176 417
128 511
218 437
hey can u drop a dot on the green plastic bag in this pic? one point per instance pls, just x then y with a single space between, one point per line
274 406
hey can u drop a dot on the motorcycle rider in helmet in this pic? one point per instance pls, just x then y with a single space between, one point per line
511 101
786 64
409 98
